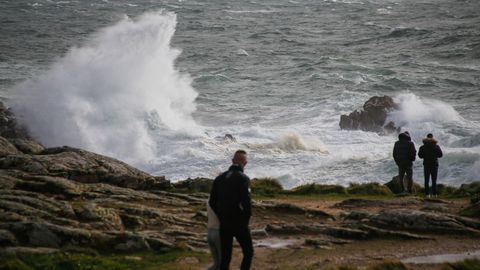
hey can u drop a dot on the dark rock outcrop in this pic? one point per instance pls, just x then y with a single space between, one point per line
372 117
395 186
418 221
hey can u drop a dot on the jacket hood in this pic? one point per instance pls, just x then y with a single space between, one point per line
429 140
403 136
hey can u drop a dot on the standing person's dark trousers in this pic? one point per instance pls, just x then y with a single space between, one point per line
404 154
405 170
431 170
242 234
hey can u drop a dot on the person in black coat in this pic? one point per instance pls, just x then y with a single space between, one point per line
404 153
231 202
430 152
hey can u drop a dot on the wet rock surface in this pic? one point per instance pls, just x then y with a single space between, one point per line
372 116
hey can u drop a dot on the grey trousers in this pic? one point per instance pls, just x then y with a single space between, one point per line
213 239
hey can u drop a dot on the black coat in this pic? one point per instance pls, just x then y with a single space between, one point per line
430 152
230 197
404 151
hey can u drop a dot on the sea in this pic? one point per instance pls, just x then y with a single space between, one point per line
159 84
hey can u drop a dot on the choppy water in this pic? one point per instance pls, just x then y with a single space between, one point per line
158 83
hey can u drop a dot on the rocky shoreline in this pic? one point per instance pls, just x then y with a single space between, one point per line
65 199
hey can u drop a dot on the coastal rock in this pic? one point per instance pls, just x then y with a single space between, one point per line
372 117
415 220
27 146
395 186
9 127
330 230
7 238
194 185
287 208
362 203
7 148
82 166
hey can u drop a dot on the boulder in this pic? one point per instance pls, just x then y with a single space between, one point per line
9 127
395 186
372 117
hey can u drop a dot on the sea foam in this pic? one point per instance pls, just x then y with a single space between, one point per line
108 94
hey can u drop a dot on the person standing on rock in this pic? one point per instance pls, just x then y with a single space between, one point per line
430 152
230 200
404 153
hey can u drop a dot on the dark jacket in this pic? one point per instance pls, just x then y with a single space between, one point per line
230 197
430 152
404 151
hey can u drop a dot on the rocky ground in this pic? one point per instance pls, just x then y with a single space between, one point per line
57 200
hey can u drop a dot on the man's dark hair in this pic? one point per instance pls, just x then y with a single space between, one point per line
240 151
429 135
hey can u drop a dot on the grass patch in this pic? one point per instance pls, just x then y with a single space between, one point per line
76 261
268 187
468 264
444 190
369 189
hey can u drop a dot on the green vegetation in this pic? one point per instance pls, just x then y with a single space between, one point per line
369 189
468 190
444 190
468 264
266 187
76 261
271 187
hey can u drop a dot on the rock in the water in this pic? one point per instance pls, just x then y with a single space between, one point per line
372 117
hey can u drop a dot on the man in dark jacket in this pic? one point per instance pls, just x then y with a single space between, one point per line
230 200
404 153
430 152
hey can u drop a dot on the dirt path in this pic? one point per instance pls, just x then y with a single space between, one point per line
291 251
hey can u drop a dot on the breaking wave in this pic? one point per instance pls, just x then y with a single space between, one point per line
108 95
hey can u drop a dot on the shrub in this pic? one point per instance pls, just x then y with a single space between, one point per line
444 190
468 189
369 189
315 189
266 186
